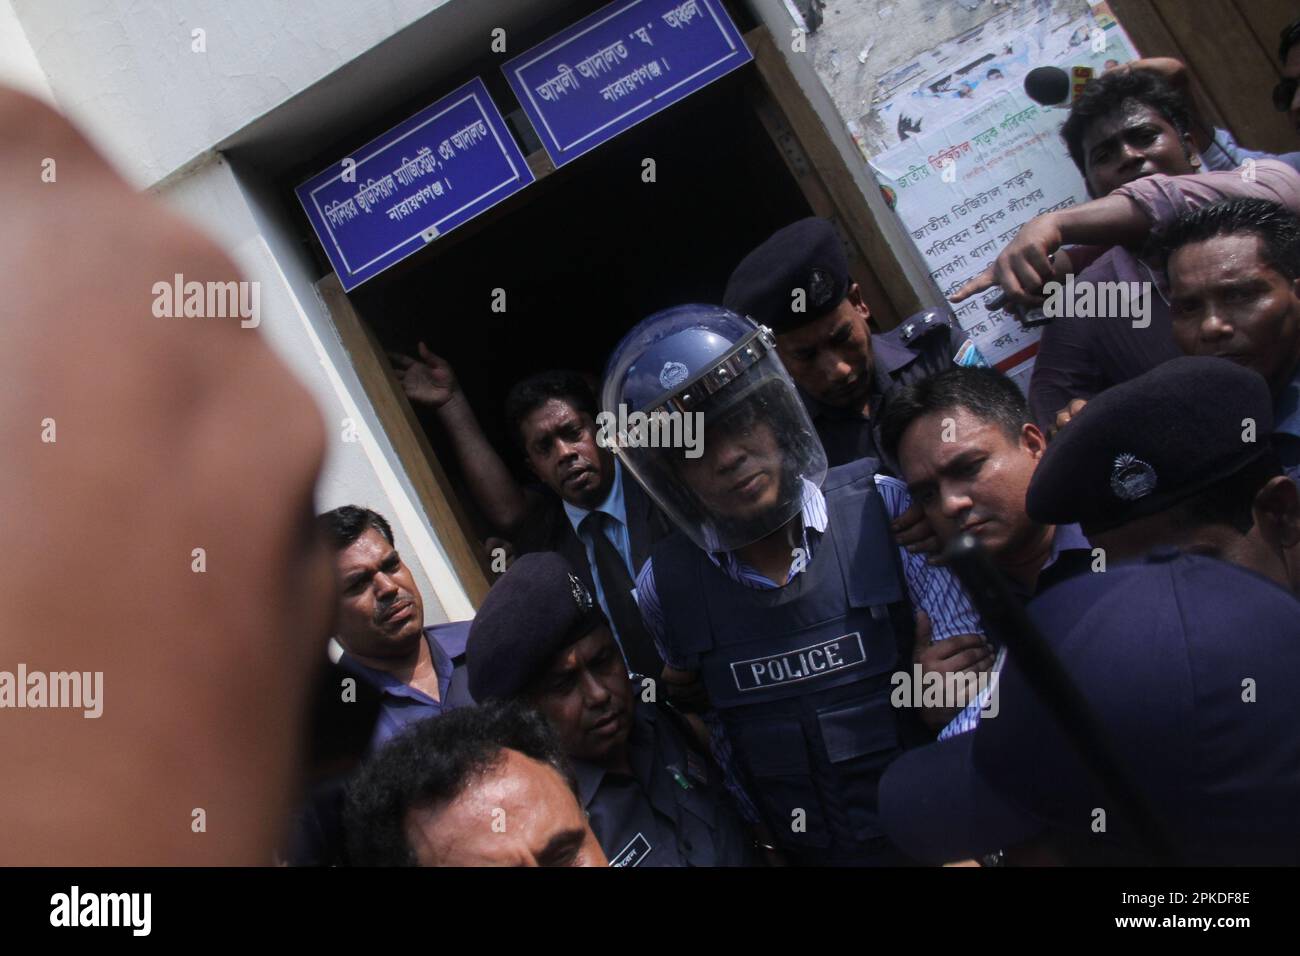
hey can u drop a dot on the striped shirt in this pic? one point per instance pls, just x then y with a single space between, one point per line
931 589
970 714
1067 539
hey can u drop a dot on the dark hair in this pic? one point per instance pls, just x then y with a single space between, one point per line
535 391
1108 94
1290 35
434 761
344 525
984 392
1277 228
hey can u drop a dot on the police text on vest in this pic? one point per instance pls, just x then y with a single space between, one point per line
808 662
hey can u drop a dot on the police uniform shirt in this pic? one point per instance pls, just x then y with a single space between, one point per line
914 350
673 811
402 704
1286 426
1071 554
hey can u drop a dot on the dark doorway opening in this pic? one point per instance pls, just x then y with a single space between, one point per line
587 252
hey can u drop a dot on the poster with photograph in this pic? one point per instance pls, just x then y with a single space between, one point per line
985 163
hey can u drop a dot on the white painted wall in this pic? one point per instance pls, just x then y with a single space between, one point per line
126 72
298 327
18 64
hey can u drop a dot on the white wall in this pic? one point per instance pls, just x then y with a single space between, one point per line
126 71
18 64
298 327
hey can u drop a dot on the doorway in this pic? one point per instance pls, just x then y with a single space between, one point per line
557 274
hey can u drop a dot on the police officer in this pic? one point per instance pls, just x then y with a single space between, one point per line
781 587
653 796
797 284
1182 455
1166 653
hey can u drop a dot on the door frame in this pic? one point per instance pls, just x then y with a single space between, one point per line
816 165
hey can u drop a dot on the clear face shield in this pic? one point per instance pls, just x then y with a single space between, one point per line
703 414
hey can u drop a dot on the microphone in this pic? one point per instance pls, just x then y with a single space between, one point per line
1053 86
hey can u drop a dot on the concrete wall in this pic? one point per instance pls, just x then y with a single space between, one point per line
776 17
18 64
857 43
298 327
128 72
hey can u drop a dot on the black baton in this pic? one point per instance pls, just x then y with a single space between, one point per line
1006 621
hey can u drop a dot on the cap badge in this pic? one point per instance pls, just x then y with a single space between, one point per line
673 374
1132 478
581 596
820 288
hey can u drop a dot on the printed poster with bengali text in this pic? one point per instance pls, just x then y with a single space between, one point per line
964 187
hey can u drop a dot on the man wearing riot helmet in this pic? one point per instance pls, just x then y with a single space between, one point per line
797 283
781 590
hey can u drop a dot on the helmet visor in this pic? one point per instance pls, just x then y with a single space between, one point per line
733 468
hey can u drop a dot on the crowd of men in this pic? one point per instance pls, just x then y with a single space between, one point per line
717 642
763 649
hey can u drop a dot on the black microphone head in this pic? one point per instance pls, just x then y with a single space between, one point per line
1047 85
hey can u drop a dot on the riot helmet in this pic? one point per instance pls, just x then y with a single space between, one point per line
700 410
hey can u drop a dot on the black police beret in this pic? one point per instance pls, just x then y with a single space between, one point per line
538 608
805 255
1144 445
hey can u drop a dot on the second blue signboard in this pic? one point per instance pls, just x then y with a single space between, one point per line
619 66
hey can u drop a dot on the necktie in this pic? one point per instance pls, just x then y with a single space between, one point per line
616 583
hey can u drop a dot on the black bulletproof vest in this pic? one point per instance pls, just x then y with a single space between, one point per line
800 675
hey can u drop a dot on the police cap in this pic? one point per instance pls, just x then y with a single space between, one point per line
805 256
1142 446
537 608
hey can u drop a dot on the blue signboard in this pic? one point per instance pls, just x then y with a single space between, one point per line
624 63
443 166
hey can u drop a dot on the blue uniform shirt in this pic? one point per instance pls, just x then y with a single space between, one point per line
1224 153
1286 426
916 349
402 703
673 811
